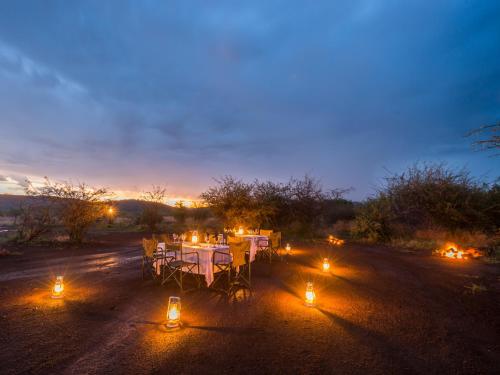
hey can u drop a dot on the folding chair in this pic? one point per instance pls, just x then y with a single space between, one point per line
221 267
263 245
274 245
175 265
148 257
240 251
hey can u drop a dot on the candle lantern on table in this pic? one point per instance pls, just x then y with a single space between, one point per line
194 237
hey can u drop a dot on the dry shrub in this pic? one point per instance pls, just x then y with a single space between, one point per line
462 237
343 228
76 206
430 196
299 207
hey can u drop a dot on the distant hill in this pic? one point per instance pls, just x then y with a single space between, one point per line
127 207
11 202
134 207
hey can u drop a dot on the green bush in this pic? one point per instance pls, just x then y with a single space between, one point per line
429 196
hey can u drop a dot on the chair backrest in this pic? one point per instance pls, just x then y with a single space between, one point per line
239 249
173 246
266 232
164 238
149 247
275 239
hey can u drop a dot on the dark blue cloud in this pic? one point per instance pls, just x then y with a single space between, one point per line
129 93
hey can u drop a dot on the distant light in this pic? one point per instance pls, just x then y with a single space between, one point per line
288 248
241 230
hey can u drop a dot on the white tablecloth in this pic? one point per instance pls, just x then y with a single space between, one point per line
205 253
254 239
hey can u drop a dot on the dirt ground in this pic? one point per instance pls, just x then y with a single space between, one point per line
380 311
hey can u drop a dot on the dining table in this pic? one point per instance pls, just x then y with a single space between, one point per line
205 253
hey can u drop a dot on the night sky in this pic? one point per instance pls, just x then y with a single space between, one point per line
130 93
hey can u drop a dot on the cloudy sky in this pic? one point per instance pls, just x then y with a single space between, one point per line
130 93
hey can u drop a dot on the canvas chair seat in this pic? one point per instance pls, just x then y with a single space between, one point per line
180 263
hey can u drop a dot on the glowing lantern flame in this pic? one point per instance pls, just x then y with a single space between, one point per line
288 248
58 289
310 295
110 210
335 241
326 265
240 230
174 312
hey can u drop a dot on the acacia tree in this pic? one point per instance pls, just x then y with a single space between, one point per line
34 220
296 206
77 206
273 203
307 203
232 201
154 200
492 139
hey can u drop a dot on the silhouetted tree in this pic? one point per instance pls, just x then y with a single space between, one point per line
490 137
77 206
154 200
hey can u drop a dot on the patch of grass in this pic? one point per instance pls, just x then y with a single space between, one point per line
469 276
476 288
414 244
493 257
491 260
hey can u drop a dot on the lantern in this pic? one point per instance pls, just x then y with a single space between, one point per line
194 237
110 211
240 230
58 289
310 295
326 265
174 312
288 248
